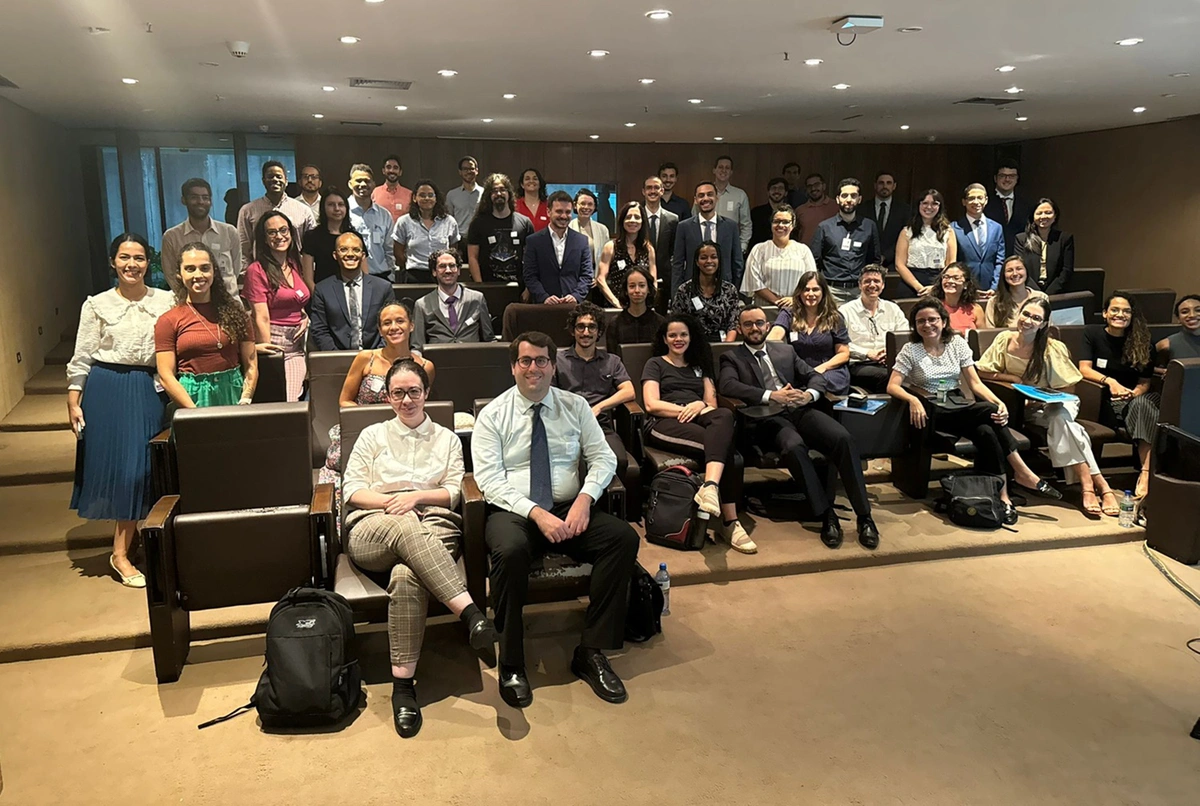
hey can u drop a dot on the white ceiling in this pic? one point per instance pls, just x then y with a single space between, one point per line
728 52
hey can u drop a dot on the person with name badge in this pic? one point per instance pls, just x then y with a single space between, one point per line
713 302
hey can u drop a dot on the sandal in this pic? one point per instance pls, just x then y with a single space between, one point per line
1111 511
1092 508
1143 484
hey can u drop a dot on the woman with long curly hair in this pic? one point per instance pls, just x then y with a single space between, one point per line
1119 356
629 247
956 290
1030 356
204 348
1011 293
816 331
277 295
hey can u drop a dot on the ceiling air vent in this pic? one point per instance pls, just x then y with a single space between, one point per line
8 85
359 123
989 101
834 131
380 84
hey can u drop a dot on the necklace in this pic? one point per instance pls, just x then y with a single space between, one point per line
216 336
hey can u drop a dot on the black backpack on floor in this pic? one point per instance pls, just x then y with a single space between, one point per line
972 500
311 679
643 619
671 512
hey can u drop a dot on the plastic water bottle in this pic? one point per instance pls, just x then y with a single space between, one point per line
943 387
1128 512
664 581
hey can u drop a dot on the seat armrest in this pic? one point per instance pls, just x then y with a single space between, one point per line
326 544
731 403
474 547
629 419
614 498
1013 400
162 437
1091 399
164 478
158 540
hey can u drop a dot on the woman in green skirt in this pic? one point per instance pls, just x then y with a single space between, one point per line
203 346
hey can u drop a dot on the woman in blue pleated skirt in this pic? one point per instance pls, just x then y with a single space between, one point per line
113 401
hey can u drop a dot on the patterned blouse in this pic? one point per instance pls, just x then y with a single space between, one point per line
717 314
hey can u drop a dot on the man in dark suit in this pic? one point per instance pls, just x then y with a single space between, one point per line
980 239
1012 212
760 217
706 225
761 372
453 313
558 260
345 307
889 214
661 226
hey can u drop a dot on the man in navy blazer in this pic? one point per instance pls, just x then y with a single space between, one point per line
980 240
558 260
1006 207
331 326
706 225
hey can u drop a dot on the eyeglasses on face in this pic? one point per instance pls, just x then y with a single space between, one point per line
1033 317
277 233
525 361
585 327
930 320
754 323
415 393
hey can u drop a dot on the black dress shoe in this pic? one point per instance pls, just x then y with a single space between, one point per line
482 635
1010 514
831 531
592 667
408 721
515 689
868 533
1043 489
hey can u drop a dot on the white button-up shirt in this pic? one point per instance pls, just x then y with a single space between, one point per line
113 330
868 334
559 242
390 457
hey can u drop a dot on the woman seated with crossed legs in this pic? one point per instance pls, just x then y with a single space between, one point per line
936 358
680 396
1028 355
402 483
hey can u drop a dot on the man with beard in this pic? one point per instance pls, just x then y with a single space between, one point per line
496 237
452 313
218 236
732 202
372 222
706 225
558 261
814 209
846 243
391 195
274 179
889 214
1006 207
668 172
760 372
795 188
310 188
345 307
462 201
760 217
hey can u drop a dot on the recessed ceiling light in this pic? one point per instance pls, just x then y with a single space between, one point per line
911 29
487 120
659 14
447 73
904 127
129 81
329 88
718 138
598 53
374 1
1022 118
1005 68
508 96
645 81
841 86
402 109
813 62
318 115
1014 90
1137 110
630 125
1179 75
349 40
695 100
594 136
1130 42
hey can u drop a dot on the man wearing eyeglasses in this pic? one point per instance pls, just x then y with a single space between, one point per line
596 375
310 188
527 448
760 216
869 319
452 313
1005 207
817 207
345 307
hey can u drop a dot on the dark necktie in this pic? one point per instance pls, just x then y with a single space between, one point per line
708 232
451 313
654 229
541 491
882 215
355 315
765 368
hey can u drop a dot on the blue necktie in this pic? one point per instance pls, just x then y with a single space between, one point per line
708 231
541 491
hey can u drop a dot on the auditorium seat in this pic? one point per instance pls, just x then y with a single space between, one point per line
1173 502
1062 304
522 317
326 376
469 371
1156 304
232 536
1087 280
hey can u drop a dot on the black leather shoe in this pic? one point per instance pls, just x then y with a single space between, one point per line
515 689
408 721
831 531
1043 489
868 533
482 635
1010 514
593 669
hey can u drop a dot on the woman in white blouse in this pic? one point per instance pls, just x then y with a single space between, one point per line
402 484
122 409
774 267
926 245
597 233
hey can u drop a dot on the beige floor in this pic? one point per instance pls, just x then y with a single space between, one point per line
1053 677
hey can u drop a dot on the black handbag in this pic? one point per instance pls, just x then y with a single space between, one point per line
972 500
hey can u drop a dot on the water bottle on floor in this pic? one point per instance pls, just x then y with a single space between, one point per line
664 581
1128 512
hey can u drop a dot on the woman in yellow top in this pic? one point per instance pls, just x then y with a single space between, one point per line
1028 355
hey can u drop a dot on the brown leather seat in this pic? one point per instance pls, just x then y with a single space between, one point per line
468 371
1087 280
326 376
521 317
233 536
1085 301
1156 304
1173 502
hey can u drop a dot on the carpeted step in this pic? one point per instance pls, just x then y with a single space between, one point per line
61 353
39 413
37 518
36 457
50 380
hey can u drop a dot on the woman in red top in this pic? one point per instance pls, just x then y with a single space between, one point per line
532 204
204 349
276 290
956 291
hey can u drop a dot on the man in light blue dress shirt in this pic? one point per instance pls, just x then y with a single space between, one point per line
527 447
371 221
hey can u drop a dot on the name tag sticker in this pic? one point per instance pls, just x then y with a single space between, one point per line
729 206
620 264
492 240
470 321
846 242
698 372
793 336
858 244
514 233
400 206
1101 362
697 303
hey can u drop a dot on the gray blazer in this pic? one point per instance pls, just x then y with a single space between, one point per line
664 247
432 327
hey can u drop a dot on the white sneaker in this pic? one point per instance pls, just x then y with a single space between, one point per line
708 500
739 538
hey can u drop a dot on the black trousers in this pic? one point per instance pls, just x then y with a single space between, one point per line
793 432
992 442
709 436
609 544
870 376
